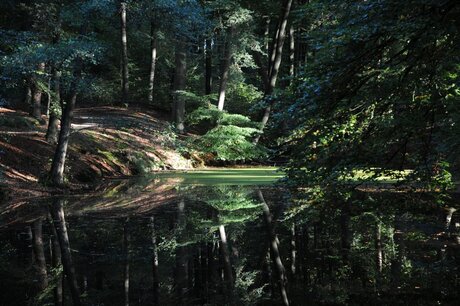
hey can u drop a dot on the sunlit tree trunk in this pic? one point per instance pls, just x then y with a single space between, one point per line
57 213
378 247
28 97
155 275
153 58
39 251
53 122
179 85
397 262
228 273
225 67
274 250
59 159
37 94
126 258
124 56
291 52
293 250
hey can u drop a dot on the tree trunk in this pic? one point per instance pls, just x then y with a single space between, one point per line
275 63
155 275
57 262
181 269
225 67
291 52
37 95
378 248
57 168
153 43
274 250
39 251
53 122
126 241
28 97
208 67
226 257
179 85
124 57
57 213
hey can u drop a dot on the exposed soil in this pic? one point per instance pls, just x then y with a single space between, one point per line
106 142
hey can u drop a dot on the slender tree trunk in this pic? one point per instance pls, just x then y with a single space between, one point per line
153 43
155 274
53 122
57 167
208 66
293 250
378 248
124 56
39 251
126 256
228 273
37 95
28 97
57 213
274 250
181 269
57 262
225 67
275 63
179 85
291 52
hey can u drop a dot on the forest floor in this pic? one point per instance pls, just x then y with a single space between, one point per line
106 142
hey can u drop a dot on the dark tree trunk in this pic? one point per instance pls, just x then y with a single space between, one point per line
56 261
39 251
153 58
124 56
225 69
208 66
275 62
57 167
274 250
57 213
179 85
181 269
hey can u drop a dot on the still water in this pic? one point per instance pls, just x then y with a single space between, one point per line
227 238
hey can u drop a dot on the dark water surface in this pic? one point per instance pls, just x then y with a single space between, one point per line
227 240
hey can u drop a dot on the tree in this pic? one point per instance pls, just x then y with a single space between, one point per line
124 56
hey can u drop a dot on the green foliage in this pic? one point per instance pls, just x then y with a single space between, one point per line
380 93
229 137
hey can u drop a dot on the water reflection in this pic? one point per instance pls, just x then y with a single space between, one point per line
160 243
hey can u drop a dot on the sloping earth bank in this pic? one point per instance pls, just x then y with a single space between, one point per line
105 142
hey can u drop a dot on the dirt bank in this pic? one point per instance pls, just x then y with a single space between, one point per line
106 142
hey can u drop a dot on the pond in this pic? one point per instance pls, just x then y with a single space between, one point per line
226 237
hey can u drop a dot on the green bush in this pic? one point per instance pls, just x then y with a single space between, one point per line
228 137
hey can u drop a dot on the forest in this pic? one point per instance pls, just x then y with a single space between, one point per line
223 152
